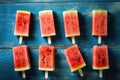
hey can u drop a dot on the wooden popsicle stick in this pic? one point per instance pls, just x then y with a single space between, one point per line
23 74
100 73
81 73
73 39
46 74
20 39
99 39
49 40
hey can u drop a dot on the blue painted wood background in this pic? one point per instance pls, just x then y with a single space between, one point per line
22 1
85 42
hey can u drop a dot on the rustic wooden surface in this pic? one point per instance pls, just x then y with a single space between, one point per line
85 42
51 1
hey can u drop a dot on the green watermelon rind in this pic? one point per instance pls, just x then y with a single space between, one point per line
67 11
25 11
78 68
99 10
22 69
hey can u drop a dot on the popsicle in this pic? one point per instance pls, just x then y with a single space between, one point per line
47 24
22 24
100 58
46 59
71 24
75 59
99 24
21 59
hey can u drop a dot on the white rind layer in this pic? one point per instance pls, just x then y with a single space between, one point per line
47 69
100 68
22 69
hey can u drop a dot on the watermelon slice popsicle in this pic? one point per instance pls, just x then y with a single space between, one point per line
21 59
46 59
22 24
75 59
100 58
71 24
99 24
47 24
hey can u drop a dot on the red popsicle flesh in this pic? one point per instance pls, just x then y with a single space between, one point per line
46 58
99 23
21 58
47 23
71 23
74 58
22 23
100 57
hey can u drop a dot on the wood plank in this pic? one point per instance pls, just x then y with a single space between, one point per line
32 1
62 70
7 19
85 42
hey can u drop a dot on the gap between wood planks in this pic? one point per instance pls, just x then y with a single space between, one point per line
60 46
51 2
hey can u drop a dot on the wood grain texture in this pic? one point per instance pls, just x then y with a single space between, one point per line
8 13
85 42
52 1
62 71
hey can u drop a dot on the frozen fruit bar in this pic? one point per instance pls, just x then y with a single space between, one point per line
71 24
75 59
22 23
99 23
100 58
47 23
46 58
21 58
